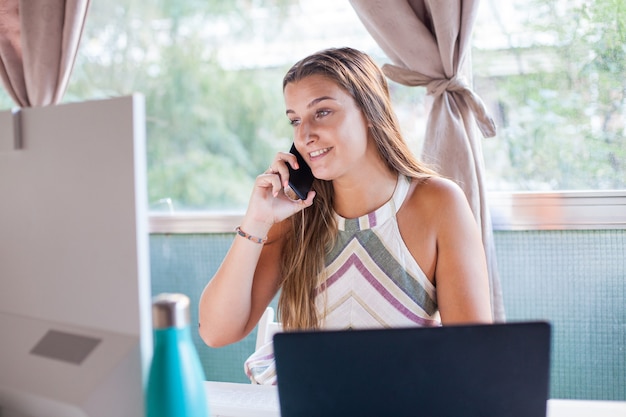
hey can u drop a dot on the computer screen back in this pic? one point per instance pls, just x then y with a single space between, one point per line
74 257
450 371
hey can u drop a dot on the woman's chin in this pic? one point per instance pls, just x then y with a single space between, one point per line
321 175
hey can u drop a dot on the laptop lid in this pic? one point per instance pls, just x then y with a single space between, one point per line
471 370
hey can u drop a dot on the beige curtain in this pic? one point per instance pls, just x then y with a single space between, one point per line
428 42
38 44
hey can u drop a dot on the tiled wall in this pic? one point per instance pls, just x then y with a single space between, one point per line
576 280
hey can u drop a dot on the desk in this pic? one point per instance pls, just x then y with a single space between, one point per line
584 408
219 392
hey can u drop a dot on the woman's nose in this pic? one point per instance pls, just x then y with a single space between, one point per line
304 133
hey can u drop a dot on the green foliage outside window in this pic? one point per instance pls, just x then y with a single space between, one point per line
562 103
209 130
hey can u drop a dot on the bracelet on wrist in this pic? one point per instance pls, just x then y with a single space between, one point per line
255 239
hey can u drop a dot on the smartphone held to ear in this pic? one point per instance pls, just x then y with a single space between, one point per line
301 179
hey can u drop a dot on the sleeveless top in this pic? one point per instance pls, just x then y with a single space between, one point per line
371 281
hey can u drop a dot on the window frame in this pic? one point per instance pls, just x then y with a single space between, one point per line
514 211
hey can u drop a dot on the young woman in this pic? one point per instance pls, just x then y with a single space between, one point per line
380 241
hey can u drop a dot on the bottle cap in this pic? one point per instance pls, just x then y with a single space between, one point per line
170 310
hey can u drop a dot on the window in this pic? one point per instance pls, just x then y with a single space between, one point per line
211 72
552 72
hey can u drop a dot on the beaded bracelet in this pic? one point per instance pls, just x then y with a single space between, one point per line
250 237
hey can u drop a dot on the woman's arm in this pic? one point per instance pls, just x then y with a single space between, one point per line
245 283
249 276
461 276
441 233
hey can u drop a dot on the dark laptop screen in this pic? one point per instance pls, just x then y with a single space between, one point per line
478 370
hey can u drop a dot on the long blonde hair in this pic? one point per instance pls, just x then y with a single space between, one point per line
313 232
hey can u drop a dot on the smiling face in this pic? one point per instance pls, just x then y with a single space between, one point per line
330 130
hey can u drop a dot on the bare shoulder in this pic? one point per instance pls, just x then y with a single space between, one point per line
437 196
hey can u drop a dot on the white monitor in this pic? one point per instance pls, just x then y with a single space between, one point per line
75 334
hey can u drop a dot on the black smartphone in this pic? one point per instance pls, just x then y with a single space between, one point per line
301 179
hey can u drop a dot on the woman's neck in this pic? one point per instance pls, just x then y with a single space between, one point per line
363 192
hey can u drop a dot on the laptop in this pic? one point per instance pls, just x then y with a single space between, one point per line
470 370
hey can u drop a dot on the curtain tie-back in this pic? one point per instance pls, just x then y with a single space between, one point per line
438 86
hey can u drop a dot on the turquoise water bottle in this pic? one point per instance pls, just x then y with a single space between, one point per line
176 379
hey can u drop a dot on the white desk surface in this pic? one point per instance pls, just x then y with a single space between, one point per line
586 408
556 407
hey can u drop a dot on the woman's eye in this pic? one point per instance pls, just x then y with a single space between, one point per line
294 122
322 113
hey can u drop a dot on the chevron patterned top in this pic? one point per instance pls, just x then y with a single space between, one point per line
372 278
372 281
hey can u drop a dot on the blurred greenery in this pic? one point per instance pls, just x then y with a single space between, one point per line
210 131
563 113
